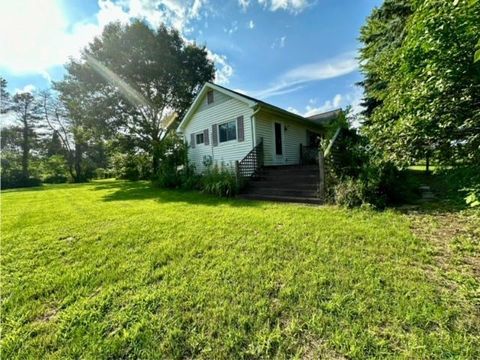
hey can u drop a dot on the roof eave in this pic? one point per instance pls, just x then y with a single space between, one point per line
286 114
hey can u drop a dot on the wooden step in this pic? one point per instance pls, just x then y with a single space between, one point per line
291 183
282 191
291 199
297 177
282 185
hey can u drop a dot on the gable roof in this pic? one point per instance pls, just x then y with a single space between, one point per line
317 120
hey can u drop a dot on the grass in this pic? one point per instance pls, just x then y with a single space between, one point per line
115 269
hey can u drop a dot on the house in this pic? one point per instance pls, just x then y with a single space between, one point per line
228 128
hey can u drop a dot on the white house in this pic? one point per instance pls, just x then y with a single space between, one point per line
223 126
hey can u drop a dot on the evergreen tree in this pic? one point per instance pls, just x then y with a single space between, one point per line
27 111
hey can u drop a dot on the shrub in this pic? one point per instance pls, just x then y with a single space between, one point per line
55 179
174 170
356 174
473 196
100 173
132 166
182 177
350 193
17 181
220 181
54 170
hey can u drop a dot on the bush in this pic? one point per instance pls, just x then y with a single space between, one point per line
55 179
174 170
356 174
132 166
350 193
460 184
17 181
182 177
100 173
473 196
220 181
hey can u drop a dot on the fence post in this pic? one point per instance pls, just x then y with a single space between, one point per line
321 170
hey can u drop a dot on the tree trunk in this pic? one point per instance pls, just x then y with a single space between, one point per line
155 157
155 162
78 163
25 150
427 164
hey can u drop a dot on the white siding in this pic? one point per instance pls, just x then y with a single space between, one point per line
223 109
294 135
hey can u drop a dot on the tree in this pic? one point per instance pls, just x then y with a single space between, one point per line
54 145
430 105
27 111
381 35
70 125
131 79
4 96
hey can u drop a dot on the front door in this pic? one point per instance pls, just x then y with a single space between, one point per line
278 145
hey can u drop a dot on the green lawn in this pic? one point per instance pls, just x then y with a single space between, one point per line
115 269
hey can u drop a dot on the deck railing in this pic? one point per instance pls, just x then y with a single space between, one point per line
251 164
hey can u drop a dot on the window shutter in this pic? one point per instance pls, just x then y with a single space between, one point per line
241 131
206 140
214 135
192 141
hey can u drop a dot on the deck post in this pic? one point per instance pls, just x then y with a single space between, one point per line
321 173
237 172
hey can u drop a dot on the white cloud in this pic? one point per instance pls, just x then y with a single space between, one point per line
279 42
295 78
352 99
27 88
244 4
290 5
328 69
43 37
293 6
224 71
251 24
233 28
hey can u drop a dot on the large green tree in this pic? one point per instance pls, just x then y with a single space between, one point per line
429 105
382 34
131 80
27 111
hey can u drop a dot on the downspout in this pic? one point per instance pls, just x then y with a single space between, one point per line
252 124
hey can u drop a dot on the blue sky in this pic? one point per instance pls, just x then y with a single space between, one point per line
296 54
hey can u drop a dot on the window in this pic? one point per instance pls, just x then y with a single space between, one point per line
210 97
199 138
227 131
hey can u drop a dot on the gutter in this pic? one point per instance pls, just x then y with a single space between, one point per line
252 124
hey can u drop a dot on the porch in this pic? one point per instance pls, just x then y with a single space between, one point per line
287 183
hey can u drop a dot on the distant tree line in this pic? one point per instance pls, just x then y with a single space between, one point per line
111 112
